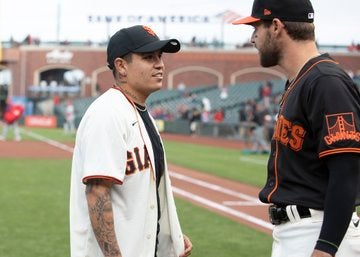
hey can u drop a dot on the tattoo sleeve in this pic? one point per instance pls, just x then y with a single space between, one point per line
101 215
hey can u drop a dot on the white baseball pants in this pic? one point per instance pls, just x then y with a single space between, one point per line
297 237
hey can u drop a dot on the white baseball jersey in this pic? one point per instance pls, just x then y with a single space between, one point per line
111 143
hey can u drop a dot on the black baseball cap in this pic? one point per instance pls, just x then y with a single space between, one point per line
137 39
285 10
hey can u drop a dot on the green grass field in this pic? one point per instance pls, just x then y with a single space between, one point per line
35 197
226 163
34 208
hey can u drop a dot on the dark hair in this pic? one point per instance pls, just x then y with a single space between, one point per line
300 30
297 30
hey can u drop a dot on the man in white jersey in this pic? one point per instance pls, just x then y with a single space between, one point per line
121 201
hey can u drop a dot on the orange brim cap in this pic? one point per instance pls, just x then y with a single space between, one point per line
246 20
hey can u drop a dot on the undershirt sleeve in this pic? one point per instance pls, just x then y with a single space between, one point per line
340 200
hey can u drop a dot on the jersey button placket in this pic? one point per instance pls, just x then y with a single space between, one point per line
152 208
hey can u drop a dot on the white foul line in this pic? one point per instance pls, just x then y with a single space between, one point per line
223 208
48 141
242 203
253 161
214 187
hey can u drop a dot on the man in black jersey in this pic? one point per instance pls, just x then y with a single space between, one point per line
121 201
313 170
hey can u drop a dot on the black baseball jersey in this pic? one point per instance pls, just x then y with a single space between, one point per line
319 116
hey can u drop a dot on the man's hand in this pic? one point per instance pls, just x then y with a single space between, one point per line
188 247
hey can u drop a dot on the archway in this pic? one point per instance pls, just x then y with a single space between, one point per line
241 72
57 80
219 76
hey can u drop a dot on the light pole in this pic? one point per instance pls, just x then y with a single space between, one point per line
58 22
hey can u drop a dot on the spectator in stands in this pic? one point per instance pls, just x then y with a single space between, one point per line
206 108
160 113
241 112
219 116
183 112
193 100
247 119
56 104
259 113
265 93
195 118
259 137
69 125
223 93
205 116
56 99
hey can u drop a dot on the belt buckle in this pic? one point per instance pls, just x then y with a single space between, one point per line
273 215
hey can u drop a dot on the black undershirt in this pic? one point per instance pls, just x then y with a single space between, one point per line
158 156
339 205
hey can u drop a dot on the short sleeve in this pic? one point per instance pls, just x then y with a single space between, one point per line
103 146
334 107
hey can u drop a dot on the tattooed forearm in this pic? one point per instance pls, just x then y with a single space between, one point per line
101 216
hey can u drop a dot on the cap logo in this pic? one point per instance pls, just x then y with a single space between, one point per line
311 15
267 12
149 31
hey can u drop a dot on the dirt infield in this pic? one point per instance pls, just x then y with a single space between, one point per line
228 198
31 149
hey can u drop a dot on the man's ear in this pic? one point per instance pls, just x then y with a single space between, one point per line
277 25
121 66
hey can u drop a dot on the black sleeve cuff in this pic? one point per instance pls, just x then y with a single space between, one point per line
325 246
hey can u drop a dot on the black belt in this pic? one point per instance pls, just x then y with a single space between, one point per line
278 215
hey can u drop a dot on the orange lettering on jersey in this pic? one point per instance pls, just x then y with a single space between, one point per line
288 134
136 164
276 134
341 126
284 131
130 164
138 159
146 158
297 137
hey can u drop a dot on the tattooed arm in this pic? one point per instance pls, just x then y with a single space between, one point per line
101 215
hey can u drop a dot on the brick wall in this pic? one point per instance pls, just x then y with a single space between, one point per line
192 67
